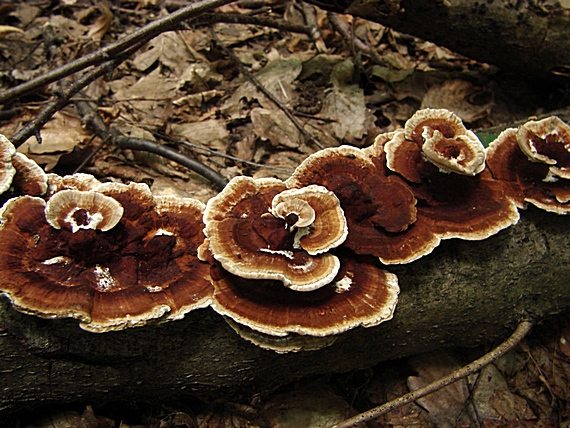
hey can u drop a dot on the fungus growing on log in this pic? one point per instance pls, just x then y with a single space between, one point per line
526 181
30 178
445 142
285 320
7 170
77 181
376 207
75 209
459 199
547 141
258 230
144 267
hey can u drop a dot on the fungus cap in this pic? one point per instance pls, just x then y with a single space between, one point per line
76 209
464 154
317 215
375 206
361 295
145 268
249 241
526 181
547 141
7 170
445 142
30 178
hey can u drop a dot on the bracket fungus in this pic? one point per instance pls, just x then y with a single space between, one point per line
444 141
109 275
457 197
76 209
275 317
257 229
376 207
7 170
547 141
525 180
30 178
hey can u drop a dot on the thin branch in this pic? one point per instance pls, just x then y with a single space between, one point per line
216 153
93 153
235 18
306 135
96 124
339 25
142 35
61 99
166 152
521 331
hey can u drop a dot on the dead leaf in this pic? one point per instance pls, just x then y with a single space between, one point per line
59 136
275 77
275 126
212 133
101 24
466 100
445 406
345 104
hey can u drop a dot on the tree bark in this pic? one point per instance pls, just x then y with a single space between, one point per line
529 38
463 294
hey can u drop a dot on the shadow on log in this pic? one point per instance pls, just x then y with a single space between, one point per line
464 294
529 38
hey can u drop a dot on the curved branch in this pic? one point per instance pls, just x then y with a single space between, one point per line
106 53
521 331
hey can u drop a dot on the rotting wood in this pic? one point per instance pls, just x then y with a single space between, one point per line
464 294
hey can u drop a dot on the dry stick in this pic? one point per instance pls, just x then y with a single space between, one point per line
60 100
306 135
234 18
216 153
96 124
142 35
340 26
521 331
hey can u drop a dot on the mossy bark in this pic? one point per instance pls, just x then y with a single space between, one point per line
527 37
463 294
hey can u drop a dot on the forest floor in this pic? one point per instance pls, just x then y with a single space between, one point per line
187 89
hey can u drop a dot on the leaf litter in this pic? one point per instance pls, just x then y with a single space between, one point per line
182 86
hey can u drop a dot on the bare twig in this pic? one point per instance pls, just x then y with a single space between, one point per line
521 331
234 18
96 124
106 53
58 102
93 153
166 152
345 32
216 153
308 137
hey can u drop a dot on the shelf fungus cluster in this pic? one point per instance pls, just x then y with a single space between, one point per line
278 271
534 163
113 256
289 264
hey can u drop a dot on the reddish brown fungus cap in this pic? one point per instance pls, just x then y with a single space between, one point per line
376 207
30 178
361 295
75 210
445 142
7 170
250 241
547 141
144 268
524 180
316 214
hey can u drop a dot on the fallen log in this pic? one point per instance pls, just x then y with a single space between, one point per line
463 294
528 38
